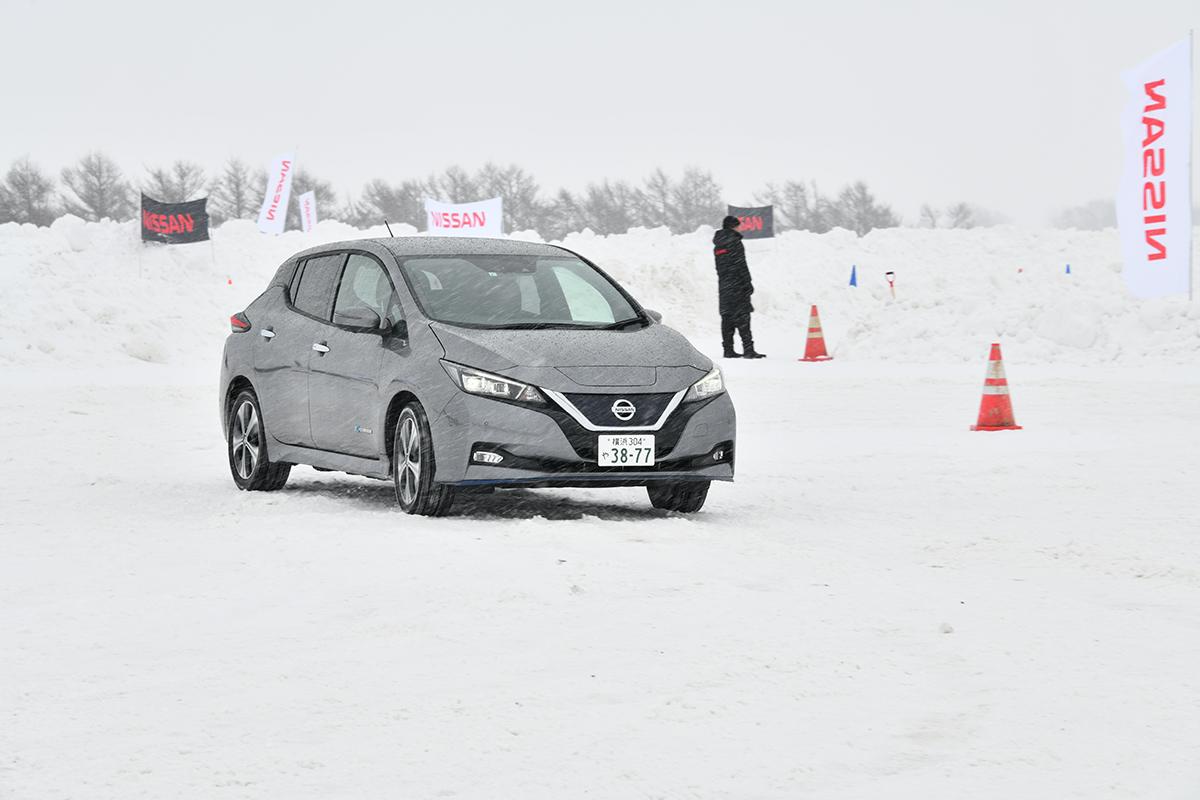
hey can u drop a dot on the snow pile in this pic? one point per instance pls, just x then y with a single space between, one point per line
80 293
956 291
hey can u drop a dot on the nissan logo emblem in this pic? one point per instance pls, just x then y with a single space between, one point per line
623 410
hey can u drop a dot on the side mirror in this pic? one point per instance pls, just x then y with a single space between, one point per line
360 318
654 315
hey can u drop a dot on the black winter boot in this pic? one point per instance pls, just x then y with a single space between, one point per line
752 353
731 353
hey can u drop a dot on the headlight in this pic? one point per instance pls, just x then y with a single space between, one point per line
710 385
484 384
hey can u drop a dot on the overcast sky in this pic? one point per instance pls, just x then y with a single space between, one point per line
1012 105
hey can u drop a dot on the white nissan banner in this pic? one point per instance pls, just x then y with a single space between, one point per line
279 189
464 219
308 211
1154 206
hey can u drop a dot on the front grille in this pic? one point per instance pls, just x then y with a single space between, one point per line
598 408
583 441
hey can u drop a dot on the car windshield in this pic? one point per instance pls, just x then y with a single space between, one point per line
515 291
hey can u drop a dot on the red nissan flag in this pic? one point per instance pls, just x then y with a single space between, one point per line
1154 204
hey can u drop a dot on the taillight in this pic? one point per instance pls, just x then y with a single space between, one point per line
239 323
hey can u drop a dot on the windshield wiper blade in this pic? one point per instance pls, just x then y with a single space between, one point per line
537 326
622 323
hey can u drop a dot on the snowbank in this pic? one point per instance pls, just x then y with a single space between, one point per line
83 293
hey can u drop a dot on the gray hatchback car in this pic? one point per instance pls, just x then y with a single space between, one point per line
457 364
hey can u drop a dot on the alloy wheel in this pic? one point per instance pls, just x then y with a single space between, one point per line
409 462
245 439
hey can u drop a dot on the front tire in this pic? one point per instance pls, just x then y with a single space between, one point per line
684 496
412 466
246 442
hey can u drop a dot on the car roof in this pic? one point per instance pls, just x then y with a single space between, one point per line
405 246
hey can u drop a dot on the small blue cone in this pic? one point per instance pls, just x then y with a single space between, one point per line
854 274
1068 269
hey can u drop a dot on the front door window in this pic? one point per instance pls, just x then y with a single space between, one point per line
365 285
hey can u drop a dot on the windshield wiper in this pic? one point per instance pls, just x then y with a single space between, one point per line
538 326
623 323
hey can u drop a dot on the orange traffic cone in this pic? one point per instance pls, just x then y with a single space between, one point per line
995 411
814 350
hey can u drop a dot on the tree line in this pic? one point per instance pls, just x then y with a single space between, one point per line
95 188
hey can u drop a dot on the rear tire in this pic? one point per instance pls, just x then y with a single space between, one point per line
413 466
246 445
684 496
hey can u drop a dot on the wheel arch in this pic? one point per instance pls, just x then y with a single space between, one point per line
399 400
236 386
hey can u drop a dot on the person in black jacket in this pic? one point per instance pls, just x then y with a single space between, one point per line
734 288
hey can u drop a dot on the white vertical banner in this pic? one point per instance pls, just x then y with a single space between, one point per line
279 190
484 218
1154 206
308 211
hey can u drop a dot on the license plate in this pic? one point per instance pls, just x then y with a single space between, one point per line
626 451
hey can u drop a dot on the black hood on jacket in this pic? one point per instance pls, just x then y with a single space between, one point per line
726 237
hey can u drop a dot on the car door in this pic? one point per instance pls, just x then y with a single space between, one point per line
283 349
345 397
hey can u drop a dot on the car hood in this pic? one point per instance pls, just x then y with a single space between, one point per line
653 358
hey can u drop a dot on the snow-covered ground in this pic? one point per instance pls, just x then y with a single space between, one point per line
883 605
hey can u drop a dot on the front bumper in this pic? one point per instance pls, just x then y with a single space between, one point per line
546 447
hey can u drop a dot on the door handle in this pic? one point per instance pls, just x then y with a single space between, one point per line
320 348
267 333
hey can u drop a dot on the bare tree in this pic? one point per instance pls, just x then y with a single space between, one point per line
96 190
859 211
960 215
654 200
695 201
826 215
404 202
929 216
519 191
561 215
454 185
27 195
182 181
236 194
608 207
793 202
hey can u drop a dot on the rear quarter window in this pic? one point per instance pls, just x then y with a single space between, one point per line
284 276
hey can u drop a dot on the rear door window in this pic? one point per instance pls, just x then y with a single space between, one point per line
312 292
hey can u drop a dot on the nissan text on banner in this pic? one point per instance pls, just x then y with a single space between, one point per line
1154 205
174 223
758 222
308 211
464 219
279 190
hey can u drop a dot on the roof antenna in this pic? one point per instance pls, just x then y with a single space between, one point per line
389 227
